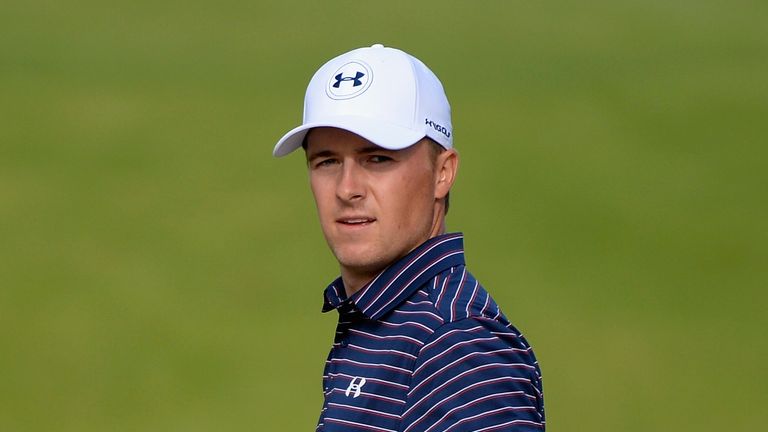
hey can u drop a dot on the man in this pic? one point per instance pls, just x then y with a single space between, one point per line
420 345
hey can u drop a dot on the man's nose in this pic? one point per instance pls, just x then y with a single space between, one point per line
351 185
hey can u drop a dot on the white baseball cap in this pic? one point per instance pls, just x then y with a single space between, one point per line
382 94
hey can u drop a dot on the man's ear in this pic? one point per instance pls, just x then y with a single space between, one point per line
446 167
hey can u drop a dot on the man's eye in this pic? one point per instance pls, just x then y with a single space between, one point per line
325 162
379 158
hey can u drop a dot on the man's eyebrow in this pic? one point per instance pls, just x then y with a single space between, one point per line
321 153
372 149
363 150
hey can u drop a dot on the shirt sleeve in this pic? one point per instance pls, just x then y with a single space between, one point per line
475 375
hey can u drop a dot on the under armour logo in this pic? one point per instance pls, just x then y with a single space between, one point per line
355 386
358 76
355 80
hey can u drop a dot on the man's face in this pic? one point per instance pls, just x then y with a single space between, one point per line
375 205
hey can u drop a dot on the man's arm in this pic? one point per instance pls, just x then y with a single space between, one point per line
475 374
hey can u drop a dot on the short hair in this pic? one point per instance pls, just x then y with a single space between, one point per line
436 150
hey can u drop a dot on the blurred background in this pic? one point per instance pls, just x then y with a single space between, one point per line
160 271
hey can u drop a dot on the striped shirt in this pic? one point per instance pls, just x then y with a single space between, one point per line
424 348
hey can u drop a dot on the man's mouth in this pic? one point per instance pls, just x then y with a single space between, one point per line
356 221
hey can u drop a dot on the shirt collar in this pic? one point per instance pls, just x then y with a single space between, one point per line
400 280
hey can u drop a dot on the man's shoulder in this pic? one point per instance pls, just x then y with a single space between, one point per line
457 295
452 301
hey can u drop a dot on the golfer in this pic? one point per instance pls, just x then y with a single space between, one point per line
420 345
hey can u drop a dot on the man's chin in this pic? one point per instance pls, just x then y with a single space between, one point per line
360 262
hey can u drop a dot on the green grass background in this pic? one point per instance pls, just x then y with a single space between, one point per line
160 271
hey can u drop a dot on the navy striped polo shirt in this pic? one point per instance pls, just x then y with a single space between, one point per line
423 347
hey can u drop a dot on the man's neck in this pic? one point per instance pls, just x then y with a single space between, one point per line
353 282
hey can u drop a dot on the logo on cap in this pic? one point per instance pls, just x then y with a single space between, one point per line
355 79
349 81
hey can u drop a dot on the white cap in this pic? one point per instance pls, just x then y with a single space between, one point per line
382 94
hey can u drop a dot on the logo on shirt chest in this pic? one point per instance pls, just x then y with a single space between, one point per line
355 387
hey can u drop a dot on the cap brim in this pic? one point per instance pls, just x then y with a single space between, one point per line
388 136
